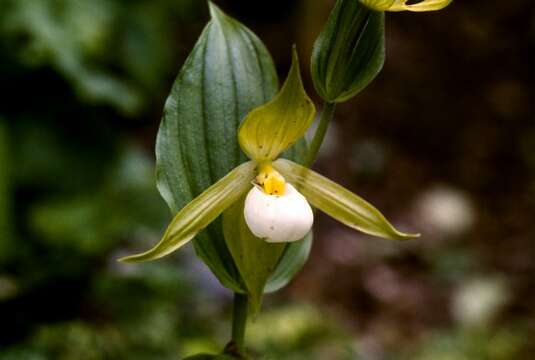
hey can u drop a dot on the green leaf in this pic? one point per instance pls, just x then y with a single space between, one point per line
200 212
338 202
228 73
255 258
272 128
294 257
349 52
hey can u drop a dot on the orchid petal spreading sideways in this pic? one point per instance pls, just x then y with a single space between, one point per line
200 212
276 207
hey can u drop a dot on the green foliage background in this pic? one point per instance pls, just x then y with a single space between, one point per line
84 86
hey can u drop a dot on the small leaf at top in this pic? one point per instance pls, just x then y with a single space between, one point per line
349 52
272 128
200 212
338 202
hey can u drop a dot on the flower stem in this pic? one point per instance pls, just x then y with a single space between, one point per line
325 119
239 320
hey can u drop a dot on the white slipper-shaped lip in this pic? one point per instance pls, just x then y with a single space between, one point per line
278 218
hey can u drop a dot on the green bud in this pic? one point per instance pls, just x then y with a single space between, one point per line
349 52
404 5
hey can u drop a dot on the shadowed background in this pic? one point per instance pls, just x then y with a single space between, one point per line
443 142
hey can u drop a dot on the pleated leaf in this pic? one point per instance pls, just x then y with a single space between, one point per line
228 73
349 52
200 212
338 202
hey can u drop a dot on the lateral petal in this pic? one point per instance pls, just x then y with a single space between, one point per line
200 212
338 202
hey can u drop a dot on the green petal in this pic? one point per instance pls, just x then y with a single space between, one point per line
338 202
200 212
272 128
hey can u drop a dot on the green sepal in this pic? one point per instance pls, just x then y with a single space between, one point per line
255 258
338 202
200 212
228 73
349 52
272 128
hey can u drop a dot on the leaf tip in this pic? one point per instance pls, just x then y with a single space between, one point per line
295 63
142 257
295 56
255 303
130 259
398 235
215 11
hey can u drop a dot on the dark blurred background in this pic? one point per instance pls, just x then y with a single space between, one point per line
443 142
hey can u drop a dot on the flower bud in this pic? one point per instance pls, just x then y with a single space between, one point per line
349 52
378 5
276 218
403 5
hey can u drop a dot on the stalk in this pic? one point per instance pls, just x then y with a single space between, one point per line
239 321
314 147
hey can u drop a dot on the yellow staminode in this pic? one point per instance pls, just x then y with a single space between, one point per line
271 181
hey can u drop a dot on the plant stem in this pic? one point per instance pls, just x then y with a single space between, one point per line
239 320
314 147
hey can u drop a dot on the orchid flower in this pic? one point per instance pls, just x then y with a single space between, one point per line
402 5
278 191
